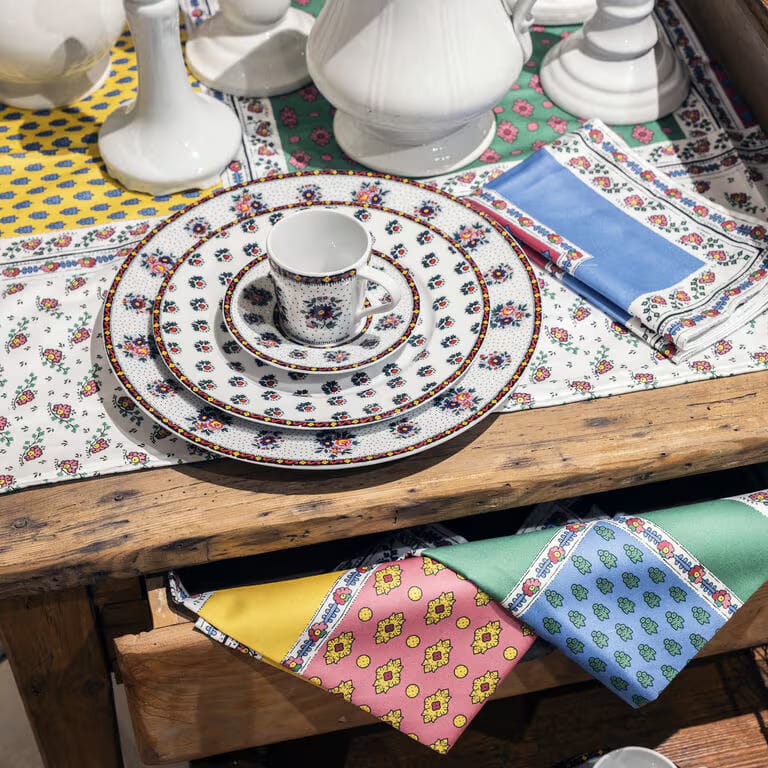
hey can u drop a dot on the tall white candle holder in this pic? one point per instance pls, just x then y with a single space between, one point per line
557 12
170 137
618 67
252 48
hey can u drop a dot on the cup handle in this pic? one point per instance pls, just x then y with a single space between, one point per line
390 286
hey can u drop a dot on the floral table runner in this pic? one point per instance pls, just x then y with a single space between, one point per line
65 227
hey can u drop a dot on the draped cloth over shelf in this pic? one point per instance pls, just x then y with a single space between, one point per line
424 642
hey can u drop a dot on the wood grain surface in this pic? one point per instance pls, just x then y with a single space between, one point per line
191 697
143 522
57 659
713 717
735 33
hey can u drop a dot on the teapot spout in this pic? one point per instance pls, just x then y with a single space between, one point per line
522 20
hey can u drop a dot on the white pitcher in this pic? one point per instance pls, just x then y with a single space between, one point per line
414 81
54 52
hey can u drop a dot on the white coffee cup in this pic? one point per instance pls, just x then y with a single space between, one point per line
319 260
634 757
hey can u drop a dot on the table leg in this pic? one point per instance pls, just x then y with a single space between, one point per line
58 662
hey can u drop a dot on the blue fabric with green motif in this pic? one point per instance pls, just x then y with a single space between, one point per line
630 599
623 614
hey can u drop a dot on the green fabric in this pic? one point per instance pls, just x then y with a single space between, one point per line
524 117
494 565
729 538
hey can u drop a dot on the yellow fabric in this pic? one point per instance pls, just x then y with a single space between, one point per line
268 617
51 175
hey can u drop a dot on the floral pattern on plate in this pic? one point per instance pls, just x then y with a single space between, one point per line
249 312
455 410
193 340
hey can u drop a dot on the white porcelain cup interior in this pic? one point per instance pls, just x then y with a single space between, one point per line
634 757
319 242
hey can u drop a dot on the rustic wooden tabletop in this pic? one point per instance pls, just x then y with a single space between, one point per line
53 537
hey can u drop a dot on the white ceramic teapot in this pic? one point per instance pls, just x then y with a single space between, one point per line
54 52
414 81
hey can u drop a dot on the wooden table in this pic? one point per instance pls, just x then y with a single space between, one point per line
59 543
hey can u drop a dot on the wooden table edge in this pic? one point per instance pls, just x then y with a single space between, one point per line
124 525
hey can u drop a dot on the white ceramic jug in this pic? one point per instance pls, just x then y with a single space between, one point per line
414 81
54 52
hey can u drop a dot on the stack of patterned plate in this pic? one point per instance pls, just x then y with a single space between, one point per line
190 331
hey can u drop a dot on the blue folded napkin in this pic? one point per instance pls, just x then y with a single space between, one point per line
675 268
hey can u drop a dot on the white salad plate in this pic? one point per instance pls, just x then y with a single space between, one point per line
194 342
250 312
479 250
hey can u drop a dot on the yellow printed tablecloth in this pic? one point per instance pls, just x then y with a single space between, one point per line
51 175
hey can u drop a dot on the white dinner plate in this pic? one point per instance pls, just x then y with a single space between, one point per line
506 346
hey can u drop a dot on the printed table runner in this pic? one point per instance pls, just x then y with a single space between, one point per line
66 227
423 642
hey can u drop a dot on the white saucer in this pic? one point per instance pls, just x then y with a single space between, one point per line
249 308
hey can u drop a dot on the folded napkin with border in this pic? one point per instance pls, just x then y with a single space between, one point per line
423 642
675 268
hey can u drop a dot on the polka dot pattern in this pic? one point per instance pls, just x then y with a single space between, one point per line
424 666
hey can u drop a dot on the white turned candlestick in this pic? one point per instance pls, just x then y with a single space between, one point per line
618 67
558 12
171 137
252 48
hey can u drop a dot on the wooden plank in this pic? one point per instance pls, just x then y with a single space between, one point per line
190 697
110 591
712 715
121 608
736 34
58 663
164 614
118 619
332 746
144 522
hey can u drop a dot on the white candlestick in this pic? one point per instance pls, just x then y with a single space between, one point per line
618 67
171 137
252 48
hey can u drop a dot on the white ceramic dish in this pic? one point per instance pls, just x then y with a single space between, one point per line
54 53
506 346
634 757
249 309
251 48
170 137
414 83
